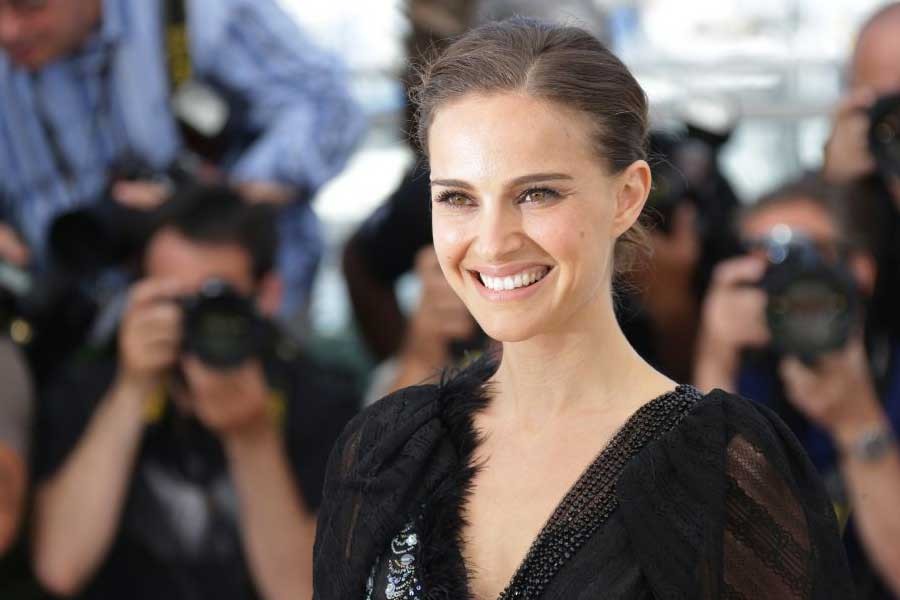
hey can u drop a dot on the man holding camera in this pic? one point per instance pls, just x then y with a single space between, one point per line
863 153
92 88
191 466
783 325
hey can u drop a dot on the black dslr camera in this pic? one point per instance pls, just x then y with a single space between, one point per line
812 299
106 233
222 327
884 134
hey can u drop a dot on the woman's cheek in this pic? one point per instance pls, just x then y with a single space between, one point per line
449 244
560 235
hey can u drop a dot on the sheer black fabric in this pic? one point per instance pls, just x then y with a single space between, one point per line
720 504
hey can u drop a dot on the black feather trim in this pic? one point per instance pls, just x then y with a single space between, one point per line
462 394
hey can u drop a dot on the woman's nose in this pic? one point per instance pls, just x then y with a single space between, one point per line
499 233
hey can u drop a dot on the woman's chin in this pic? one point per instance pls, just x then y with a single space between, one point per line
509 332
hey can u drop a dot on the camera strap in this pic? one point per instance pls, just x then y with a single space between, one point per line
201 112
177 47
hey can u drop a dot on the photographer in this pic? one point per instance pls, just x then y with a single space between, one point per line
89 87
189 465
15 432
783 325
865 153
434 336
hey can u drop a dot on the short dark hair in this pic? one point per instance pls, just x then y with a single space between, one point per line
217 214
833 200
563 64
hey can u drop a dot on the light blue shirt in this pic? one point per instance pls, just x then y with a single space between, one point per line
110 99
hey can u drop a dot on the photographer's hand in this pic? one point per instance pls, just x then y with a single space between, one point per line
234 404
838 394
12 249
847 155
267 192
439 318
277 530
141 195
150 335
732 318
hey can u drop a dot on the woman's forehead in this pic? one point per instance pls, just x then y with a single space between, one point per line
484 135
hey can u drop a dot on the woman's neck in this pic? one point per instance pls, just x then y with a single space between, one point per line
585 368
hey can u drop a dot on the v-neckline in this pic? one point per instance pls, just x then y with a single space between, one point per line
623 437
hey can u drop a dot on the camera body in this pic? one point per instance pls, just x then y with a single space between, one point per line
106 233
884 134
813 302
221 327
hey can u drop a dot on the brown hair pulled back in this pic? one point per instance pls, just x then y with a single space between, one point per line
562 64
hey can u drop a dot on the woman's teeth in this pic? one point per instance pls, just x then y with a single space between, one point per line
511 282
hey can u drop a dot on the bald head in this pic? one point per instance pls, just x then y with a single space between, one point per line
876 57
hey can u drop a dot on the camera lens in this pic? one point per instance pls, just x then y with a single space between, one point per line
884 134
811 302
221 327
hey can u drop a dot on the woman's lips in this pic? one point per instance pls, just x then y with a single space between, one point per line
515 286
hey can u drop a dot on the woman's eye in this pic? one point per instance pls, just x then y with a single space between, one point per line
539 195
453 199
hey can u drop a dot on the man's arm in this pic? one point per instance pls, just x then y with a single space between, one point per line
874 488
77 509
276 529
278 532
296 96
838 395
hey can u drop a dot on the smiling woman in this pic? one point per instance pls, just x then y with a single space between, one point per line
564 466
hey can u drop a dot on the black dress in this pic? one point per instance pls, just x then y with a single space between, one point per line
696 497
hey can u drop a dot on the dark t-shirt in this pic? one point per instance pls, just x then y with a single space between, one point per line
178 537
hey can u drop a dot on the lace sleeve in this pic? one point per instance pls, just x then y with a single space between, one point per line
767 550
728 506
780 538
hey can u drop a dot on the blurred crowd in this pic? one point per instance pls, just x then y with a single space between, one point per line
164 423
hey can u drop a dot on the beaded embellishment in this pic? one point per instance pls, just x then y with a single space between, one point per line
590 502
582 511
402 581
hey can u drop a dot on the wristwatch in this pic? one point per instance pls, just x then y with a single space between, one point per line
872 444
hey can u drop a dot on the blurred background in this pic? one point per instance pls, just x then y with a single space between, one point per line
772 71
213 221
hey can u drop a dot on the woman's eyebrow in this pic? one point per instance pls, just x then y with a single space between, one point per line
536 177
451 183
524 179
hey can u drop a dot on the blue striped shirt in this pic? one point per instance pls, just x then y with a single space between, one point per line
110 100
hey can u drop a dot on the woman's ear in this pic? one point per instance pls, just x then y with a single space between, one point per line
633 189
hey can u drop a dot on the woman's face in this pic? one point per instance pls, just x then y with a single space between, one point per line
524 213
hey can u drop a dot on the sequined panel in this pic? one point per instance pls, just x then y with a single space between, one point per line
401 581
